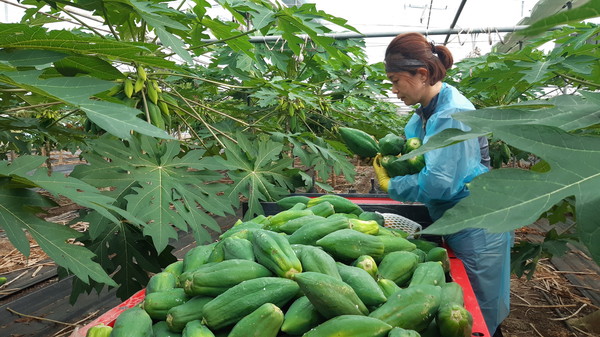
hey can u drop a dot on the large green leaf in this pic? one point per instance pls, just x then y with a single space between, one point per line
316 153
162 186
157 16
537 71
20 36
293 22
566 112
257 169
124 252
19 208
52 238
228 33
28 58
590 9
87 65
506 199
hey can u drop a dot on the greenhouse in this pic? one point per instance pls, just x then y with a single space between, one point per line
299 168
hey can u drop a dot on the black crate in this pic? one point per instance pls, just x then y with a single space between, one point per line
376 203
415 212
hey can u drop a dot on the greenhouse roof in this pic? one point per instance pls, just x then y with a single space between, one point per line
468 28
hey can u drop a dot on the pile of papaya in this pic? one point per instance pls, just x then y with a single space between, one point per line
320 267
388 149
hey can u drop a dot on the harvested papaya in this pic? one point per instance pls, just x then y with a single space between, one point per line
394 166
411 144
359 142
391 144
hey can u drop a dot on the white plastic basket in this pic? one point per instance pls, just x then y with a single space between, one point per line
396 221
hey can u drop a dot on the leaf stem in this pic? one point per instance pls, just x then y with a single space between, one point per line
80 21
574 79
145 106
192 130
63 117
221 41
142 36
41 105
204 80
218 112
106 17
196 115
186 100
14 90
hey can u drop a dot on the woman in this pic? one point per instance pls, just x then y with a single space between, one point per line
416 69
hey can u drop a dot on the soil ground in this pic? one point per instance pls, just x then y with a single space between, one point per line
541 306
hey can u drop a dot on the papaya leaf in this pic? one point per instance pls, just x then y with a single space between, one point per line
227 32
157 16
567 112
52 238
30 58
257 169
291 22
506 199
21 36
524 258
81 193
262 17
162 186
19 208
525 255
124 252
535 72
87 65
590 9
445 138
314 152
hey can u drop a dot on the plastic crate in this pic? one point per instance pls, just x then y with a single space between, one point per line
459 275
379 203
109 317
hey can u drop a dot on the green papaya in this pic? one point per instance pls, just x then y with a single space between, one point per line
391 144
359 142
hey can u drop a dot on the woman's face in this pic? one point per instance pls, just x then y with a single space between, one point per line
409 88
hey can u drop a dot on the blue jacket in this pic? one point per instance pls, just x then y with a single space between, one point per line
441 184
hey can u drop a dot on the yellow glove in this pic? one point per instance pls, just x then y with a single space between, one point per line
381 173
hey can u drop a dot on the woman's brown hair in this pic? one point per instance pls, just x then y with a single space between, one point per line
410 51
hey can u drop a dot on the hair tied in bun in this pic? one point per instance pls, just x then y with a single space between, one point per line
432 44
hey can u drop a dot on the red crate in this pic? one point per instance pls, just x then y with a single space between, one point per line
109 317
459 275
457 272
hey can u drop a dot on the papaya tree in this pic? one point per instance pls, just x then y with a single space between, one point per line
166 104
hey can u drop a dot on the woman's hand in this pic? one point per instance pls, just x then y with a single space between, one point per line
382 176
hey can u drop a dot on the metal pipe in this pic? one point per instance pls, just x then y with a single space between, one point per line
351 35
456 16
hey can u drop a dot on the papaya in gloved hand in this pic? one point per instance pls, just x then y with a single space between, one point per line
411 144
391 144
416 164
394 166
382 176
399 167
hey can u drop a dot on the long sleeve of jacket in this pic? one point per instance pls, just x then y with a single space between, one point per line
441 184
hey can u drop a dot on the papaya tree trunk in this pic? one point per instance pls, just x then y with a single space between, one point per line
589 323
